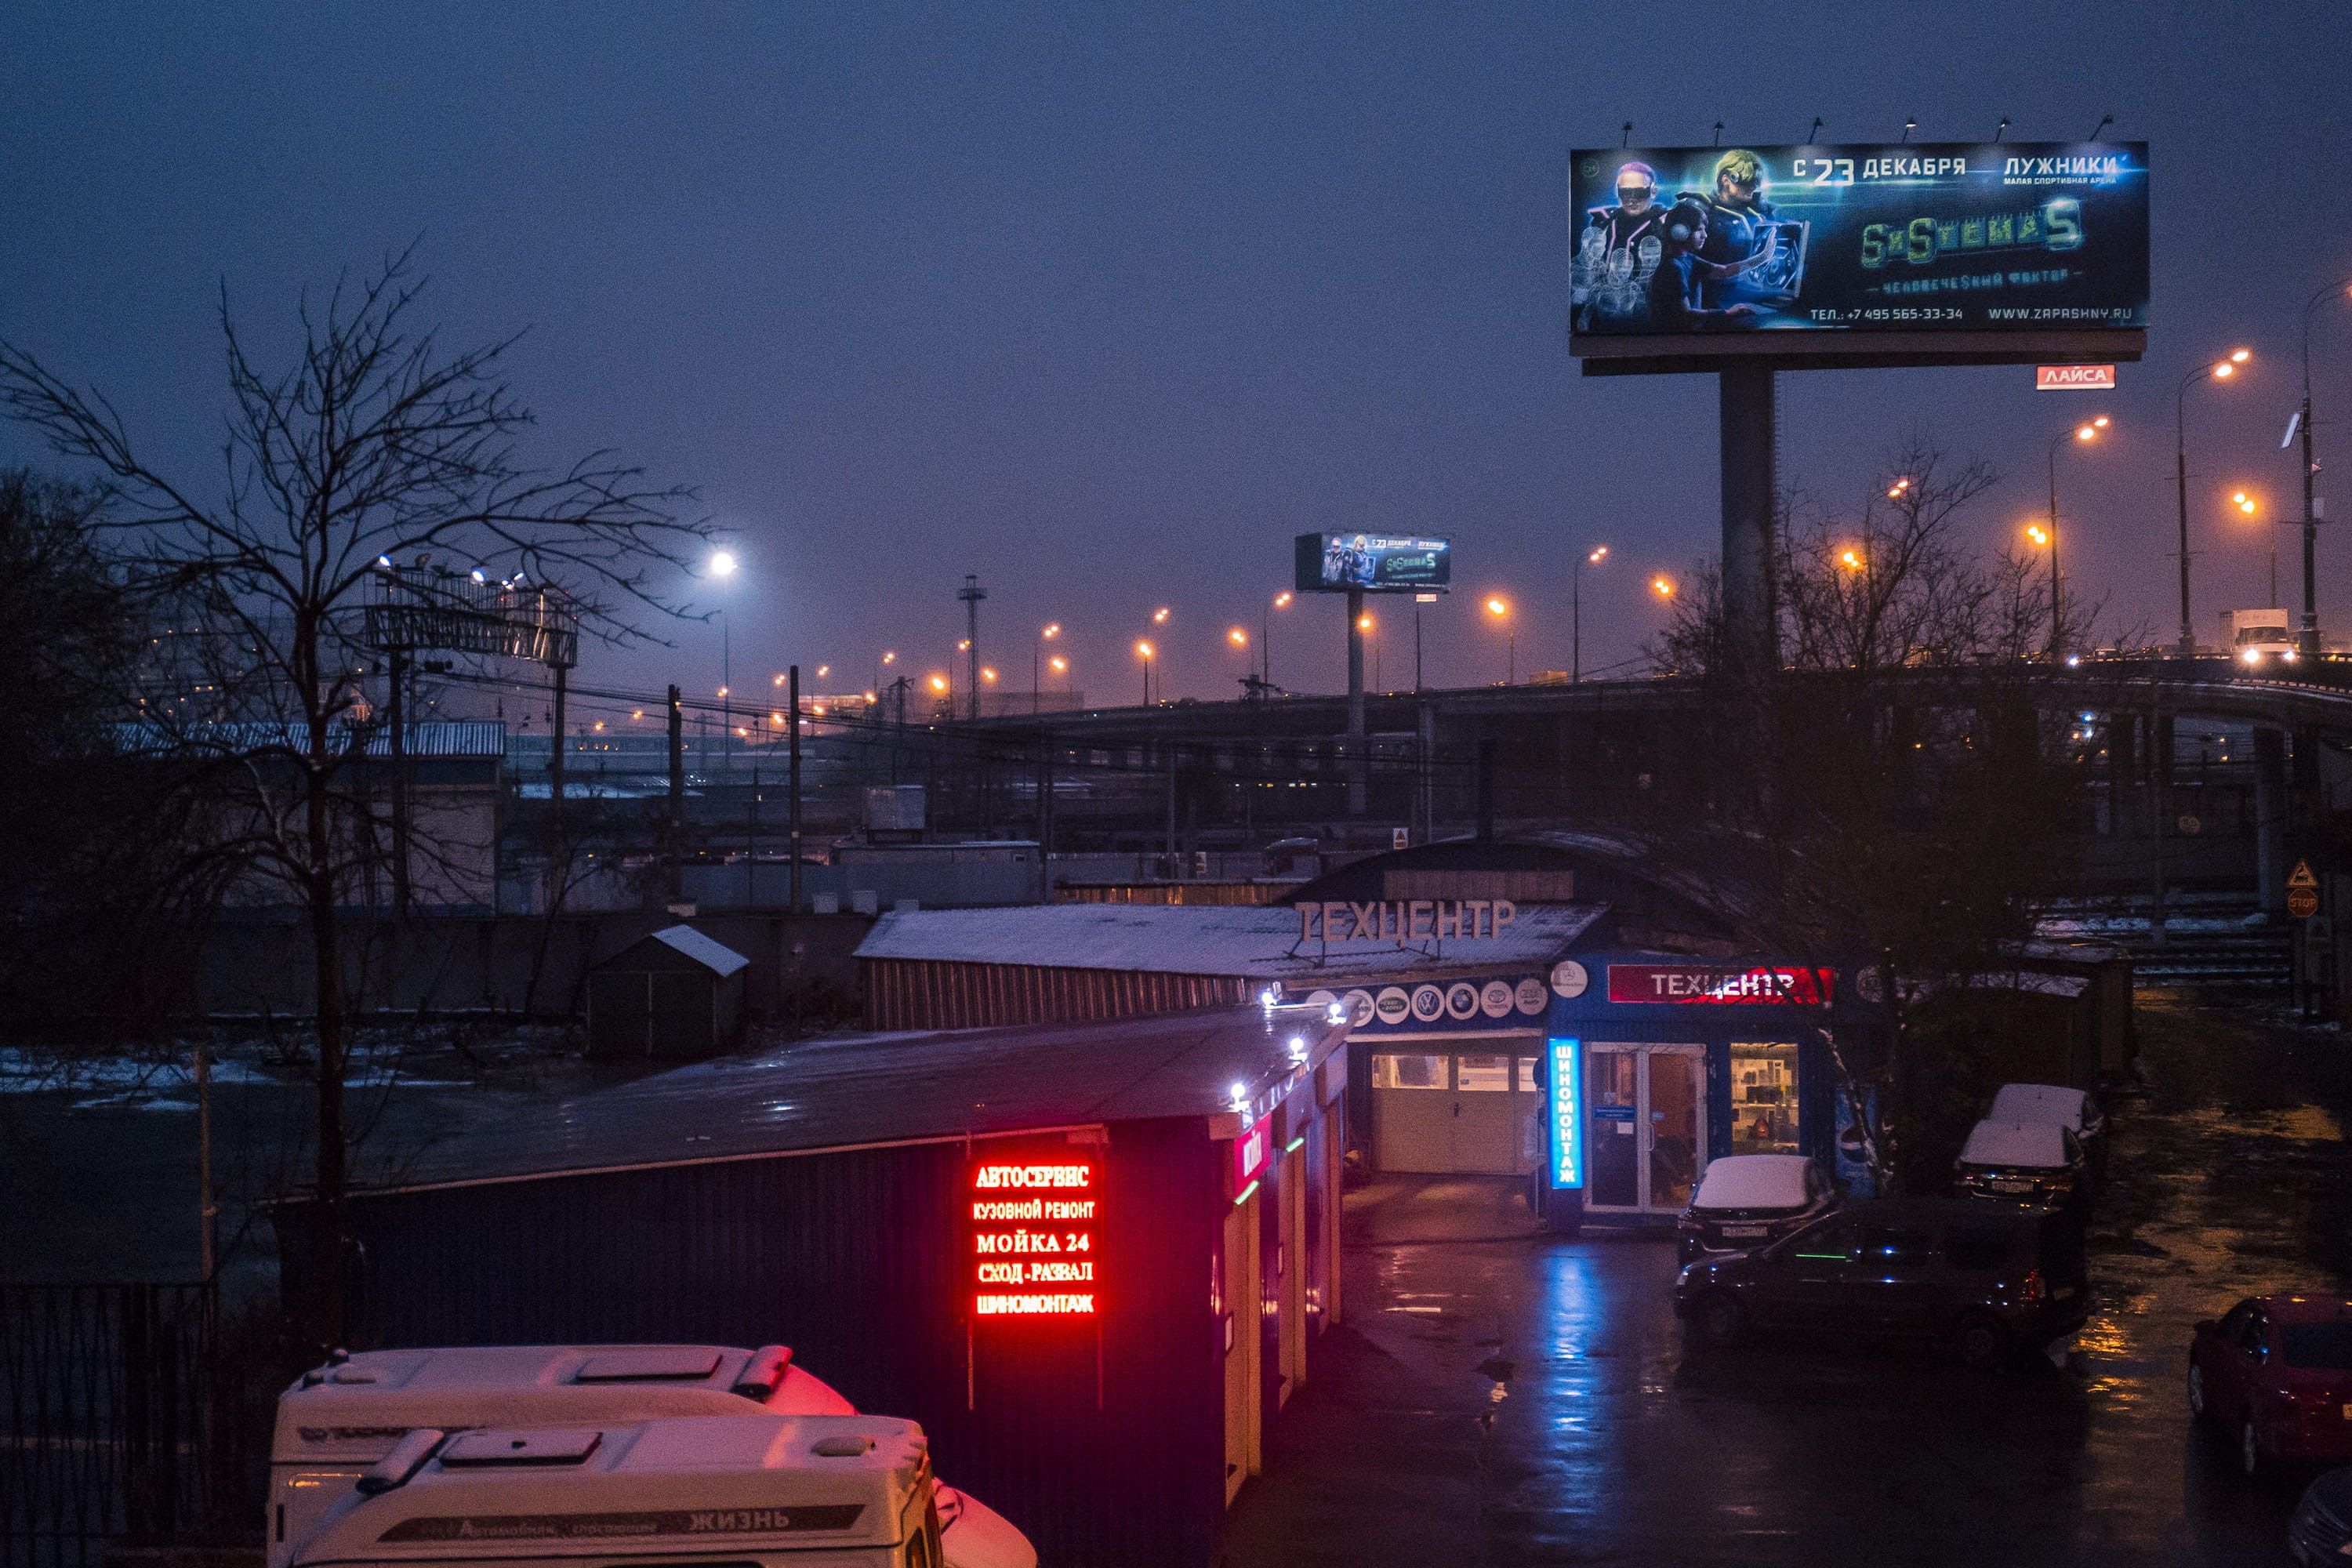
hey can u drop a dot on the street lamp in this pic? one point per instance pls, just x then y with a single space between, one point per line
1499 608
1037 684
1367 625
1593 557
722 565
1266 643
1239 639
1663 587
2246 504
1143 650
2219 370
2308 639
2082 435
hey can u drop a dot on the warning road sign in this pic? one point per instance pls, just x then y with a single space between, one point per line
2301 875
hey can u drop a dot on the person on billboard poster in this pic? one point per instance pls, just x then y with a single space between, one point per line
1741 236
1617 254
1676 304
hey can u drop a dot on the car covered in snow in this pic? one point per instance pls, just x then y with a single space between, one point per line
2036 1162
2075 1109
1750 1200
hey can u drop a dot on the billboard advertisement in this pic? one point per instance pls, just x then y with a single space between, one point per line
1376 562
1674 241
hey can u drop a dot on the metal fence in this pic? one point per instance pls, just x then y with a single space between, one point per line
108 1419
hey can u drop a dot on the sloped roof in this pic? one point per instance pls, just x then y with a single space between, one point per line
861 1089
714 955
1256 942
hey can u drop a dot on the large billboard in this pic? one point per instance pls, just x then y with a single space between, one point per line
1679 241
1376 562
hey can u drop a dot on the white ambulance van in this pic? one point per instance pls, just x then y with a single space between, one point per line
781 1492
337 1420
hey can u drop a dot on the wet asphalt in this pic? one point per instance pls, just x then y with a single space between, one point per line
1496 1396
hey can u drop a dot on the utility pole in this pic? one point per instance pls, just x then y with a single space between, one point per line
676 796
792 715
971 594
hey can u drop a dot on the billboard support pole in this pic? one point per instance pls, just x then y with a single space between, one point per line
1747 414
1357 783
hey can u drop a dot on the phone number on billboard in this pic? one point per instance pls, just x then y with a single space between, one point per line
1894 313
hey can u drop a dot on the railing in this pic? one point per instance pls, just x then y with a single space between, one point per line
110 1420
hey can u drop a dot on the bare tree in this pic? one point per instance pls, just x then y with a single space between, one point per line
372 446
1911 818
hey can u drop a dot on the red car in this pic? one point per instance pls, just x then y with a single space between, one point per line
2275 1375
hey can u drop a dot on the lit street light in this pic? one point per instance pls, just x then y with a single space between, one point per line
1046 634
2247 506
1663 587
722 565
2082 435
1593 557
2220 370
1265 642
1143 650
1499 609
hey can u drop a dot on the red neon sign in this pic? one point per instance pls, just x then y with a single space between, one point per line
1698 982
1034 1230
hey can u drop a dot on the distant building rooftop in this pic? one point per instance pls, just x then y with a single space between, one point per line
1252 941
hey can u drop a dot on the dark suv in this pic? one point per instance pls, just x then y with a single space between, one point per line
1987 1280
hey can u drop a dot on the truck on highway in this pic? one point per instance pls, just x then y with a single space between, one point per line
2259 636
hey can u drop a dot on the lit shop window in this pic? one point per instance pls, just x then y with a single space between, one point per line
1763 1098
1407 1072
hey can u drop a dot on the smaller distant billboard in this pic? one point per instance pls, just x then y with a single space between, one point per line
1375 562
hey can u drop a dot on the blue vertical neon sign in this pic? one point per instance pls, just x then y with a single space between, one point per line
1567 1113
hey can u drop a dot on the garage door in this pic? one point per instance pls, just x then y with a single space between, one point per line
1455 1112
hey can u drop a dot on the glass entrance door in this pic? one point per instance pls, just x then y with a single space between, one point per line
1645 1128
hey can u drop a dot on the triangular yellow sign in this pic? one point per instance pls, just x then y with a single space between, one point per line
2301 875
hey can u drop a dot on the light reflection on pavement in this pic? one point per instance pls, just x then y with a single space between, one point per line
1530 1400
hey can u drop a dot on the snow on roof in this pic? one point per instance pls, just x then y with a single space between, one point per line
716 957
1754 1182
1256 942
1994 1143
2039 1102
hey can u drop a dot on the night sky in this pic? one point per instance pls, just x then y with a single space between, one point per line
1105 303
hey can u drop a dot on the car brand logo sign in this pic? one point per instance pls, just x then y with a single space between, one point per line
1359 1007
1530 996
1460 1000
1568 978
1392 1006
1428 1003
1497 998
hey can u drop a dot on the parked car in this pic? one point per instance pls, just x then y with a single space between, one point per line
2035 1163
1745 1201
2321 1529
2075 1109
1989 1281
2275 1375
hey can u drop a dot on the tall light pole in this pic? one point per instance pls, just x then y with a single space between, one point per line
2219 370
1036 671
2308 639
2246 504
1144 650
1499 608
1238 638
721 566
2082 435
1265 642
1594 556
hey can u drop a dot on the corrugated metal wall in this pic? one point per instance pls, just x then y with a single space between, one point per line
921 993
856 1260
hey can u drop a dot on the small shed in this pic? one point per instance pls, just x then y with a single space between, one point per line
675 994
